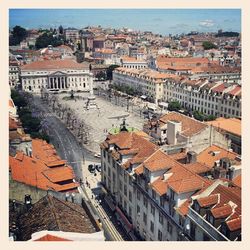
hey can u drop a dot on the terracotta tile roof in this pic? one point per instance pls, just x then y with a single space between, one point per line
234 224
59 174
215 153
209 200
237 180
189 126
183 209
35 172
235 91
158 161
53 214
222 212
132 142
227 195
219 88
198 168
54 65
187 185
231 125
49 237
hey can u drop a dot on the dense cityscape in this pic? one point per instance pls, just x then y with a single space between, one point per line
117 134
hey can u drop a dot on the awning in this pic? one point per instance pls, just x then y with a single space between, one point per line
143 97
129 226
110 203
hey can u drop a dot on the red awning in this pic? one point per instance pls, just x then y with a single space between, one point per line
124 218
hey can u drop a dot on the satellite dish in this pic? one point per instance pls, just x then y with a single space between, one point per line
188 227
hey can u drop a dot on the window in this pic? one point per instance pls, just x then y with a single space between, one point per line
153 194
130 196
159 235
169 227
125 177
152 226
125 190
181 221
161 201
138 195
121 186
104 166
138 210
125 205
152 210
109 172
161 218
130 211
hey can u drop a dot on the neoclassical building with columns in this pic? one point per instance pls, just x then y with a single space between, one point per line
56 75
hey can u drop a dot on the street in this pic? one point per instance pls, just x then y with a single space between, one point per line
79 158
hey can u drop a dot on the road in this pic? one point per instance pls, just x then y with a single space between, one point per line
69 149
64 141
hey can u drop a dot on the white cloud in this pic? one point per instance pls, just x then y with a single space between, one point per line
207 23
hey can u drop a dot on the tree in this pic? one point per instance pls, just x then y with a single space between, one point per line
208 45
47 39
18 99
199 115
101 75
18 35
110 71
174 106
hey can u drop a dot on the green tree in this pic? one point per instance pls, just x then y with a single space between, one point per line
110 71
18 35
208 45
174 106
101 75
47 39
199 115
18 99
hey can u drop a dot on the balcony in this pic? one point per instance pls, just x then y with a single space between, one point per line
205 226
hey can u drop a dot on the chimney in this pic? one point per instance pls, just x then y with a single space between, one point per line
173 128
191 157
30 152
27 150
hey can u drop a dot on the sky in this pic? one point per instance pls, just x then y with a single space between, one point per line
161 21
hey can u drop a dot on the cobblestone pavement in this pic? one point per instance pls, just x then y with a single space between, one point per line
100 120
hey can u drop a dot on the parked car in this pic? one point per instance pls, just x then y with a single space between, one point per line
91 168
98 155
98 167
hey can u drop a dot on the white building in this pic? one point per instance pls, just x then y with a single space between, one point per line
147 82
56 75
133 63
14 73
149 191
212 98
71 34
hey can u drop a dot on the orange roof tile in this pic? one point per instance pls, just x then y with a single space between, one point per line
237 180
49 237
215 153
234 224
54 65
231 125
35 172
189 126
221 212
209 200
187 185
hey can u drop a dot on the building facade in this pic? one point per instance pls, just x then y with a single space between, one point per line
56 75
152 192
